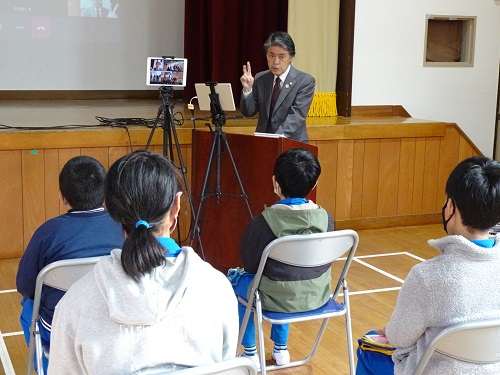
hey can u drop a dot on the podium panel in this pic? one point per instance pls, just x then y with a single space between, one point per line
224 212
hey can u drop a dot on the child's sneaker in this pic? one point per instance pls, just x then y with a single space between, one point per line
282 357
255 358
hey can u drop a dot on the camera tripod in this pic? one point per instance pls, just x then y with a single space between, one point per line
219 139
168 126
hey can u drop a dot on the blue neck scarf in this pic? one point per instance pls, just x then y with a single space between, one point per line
292 201
170 245
487 243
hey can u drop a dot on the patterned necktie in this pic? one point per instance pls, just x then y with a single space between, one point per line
274 98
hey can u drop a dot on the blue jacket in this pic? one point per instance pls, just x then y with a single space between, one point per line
75 234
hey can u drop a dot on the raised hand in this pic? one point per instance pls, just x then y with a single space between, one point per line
112 12
247 78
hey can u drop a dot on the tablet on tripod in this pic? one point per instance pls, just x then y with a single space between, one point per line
225 96
166 71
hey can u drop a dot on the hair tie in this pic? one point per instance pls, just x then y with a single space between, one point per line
142 222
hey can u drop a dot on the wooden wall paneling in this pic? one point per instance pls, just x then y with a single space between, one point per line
327 184
33 188
418 178
406 175
465 149
388 181
431 173
357 179
99 153
448 159
116 153
11 200
343 197
370 177
52 169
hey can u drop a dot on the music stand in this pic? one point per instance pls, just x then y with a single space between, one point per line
215 92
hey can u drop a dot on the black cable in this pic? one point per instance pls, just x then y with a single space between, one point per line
125 121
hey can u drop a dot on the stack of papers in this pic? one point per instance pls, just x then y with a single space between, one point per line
376 343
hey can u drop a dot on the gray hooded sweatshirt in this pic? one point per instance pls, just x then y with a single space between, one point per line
183 314
461 284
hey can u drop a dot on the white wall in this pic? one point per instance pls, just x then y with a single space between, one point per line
84 53
388 64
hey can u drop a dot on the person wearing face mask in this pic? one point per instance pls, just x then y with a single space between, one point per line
459 285
282 94
296 173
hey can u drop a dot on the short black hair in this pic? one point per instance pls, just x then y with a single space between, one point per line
81 183
296 171
280 39
474 187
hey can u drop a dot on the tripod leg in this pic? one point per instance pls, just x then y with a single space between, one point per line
169 133
196 229
181 163
243 193
168 150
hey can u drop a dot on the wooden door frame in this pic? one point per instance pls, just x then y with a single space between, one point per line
345 57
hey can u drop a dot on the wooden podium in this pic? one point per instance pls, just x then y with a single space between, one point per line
222 221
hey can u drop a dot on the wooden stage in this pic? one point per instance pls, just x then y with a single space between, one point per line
380 167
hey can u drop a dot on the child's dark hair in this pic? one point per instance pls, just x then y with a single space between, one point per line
141 186
474 187
296 171
81 183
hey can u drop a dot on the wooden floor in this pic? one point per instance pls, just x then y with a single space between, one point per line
382 261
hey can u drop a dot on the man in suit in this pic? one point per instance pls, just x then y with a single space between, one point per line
281 95
96 10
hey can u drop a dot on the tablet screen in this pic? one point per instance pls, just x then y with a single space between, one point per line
166 72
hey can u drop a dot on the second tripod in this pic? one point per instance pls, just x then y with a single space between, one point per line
219 140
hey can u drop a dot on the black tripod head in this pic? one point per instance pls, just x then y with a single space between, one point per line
166 93
218 115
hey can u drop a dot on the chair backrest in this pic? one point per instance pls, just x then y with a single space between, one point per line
477 342
63 273
235 366
312 250
60 275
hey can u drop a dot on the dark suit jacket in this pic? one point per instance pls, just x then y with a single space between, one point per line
290 111
90 12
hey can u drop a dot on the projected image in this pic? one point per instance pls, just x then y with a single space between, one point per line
93 8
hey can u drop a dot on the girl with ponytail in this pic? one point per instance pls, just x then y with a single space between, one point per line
152 304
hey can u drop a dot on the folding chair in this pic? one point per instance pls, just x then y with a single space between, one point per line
477 342
309 250
60 275
235 366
